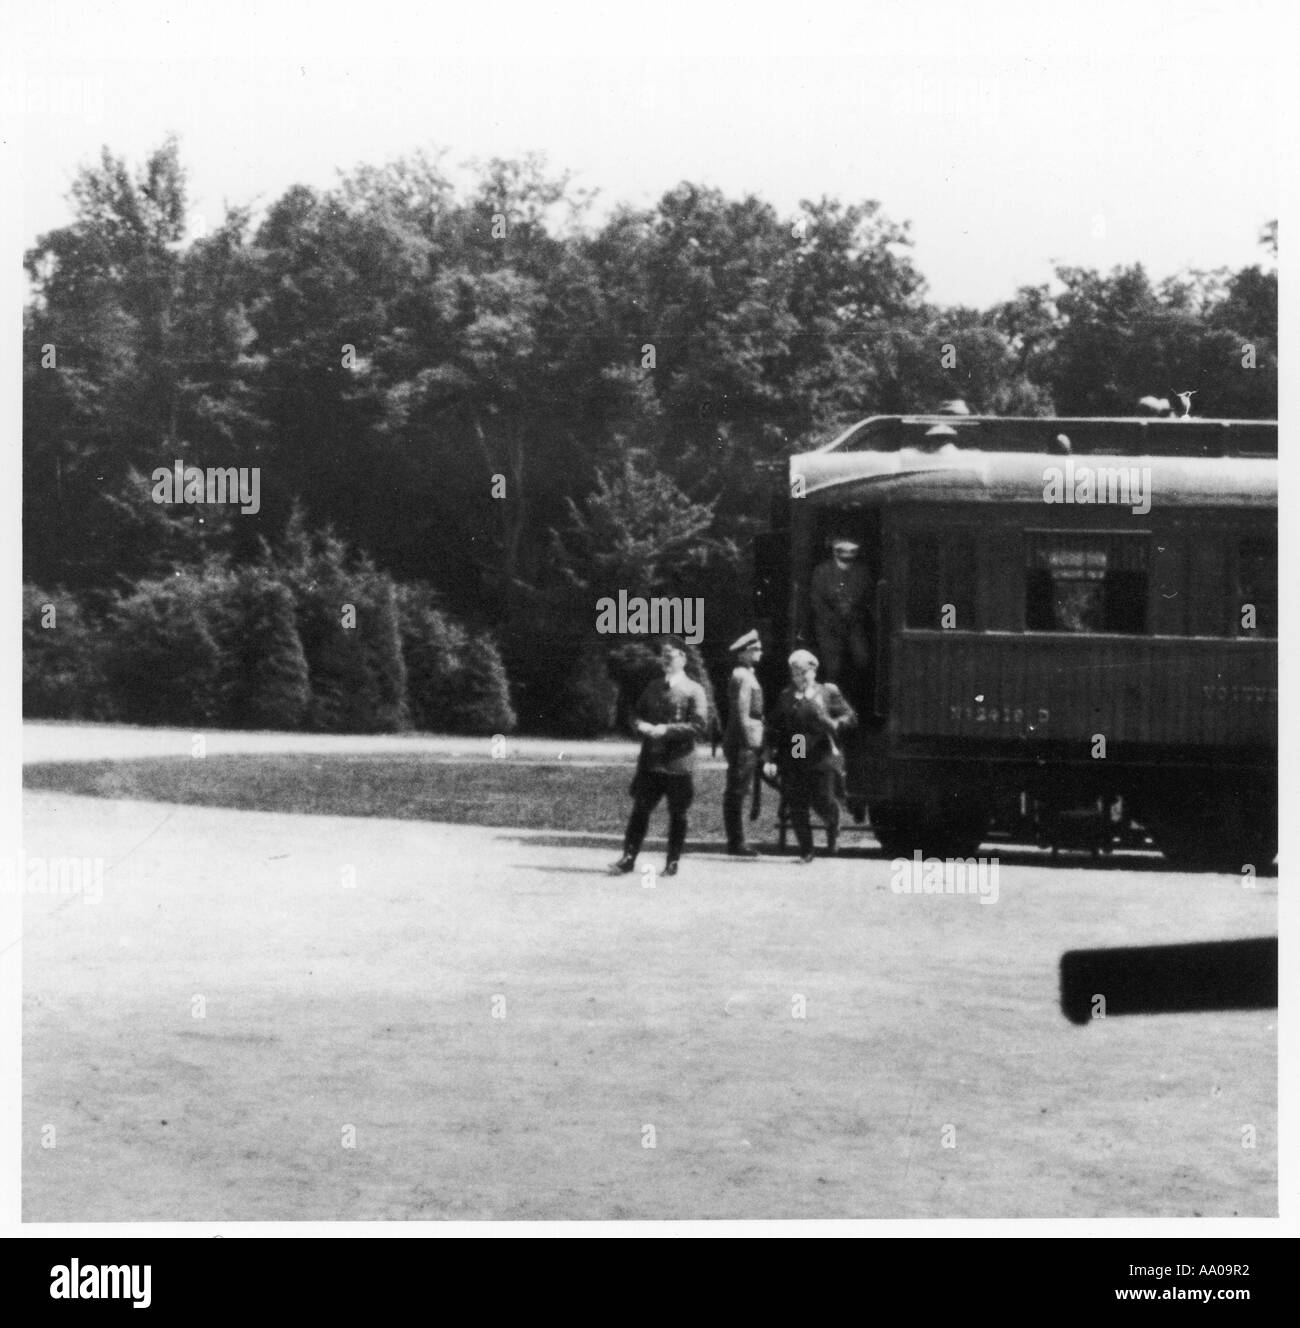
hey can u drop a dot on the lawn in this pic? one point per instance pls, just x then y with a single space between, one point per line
532 796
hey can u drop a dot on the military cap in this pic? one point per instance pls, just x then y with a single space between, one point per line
744 642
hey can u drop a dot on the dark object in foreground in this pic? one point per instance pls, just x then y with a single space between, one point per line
1168 979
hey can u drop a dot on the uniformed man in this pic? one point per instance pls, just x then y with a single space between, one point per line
742 740
802 747
942 438
840 600
671 716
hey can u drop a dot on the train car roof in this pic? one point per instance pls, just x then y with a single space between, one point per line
997 459
869 479
1137 436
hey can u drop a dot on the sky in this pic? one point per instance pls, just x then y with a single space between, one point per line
1013 137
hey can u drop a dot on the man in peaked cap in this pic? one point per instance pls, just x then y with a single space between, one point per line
940 438
840 599
742 740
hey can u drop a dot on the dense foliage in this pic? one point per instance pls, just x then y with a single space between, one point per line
508 409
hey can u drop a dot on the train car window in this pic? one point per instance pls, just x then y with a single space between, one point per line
1256 597
1086 583
941 582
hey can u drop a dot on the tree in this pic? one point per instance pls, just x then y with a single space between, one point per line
134 356
636 531
162 663
455 683
1268 237
347 619
61 674
1118 338
484 702
267 683
474 392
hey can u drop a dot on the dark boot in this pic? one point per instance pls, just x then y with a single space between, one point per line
735 828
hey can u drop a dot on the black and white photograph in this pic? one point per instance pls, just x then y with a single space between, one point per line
655 615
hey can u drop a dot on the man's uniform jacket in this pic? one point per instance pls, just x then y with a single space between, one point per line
819 716
744 731
684 707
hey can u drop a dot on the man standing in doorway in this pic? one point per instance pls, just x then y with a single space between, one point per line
670 718
840 599
742 742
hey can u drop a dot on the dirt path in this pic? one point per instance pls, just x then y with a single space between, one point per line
50 741
500 1028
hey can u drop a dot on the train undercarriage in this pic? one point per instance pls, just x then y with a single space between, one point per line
1222 817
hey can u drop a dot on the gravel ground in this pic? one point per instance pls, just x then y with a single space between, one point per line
407 1020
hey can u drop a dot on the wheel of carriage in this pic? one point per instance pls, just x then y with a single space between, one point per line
1202 832
904 831
889 831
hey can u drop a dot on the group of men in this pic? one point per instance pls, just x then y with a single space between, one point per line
797 743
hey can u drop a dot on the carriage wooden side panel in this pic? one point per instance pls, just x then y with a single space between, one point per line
1009 691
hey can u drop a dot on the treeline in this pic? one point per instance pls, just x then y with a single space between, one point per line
496 398
308 638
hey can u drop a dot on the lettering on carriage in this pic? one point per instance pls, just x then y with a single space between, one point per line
1012 716
1239 694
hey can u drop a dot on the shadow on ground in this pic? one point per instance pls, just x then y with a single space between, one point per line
1020 855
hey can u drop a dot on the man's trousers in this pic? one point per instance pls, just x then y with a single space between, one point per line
808 789
844 651
647 789
741 765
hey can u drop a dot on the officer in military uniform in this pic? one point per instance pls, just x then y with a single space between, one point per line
671 716
801 746
840 600
742 740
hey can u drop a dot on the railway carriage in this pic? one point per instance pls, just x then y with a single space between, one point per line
1069 614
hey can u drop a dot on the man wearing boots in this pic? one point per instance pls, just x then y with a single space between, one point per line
742 741
671 717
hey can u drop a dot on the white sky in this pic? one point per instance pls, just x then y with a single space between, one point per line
1002 131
